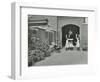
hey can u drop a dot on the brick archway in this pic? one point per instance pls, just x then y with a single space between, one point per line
65 30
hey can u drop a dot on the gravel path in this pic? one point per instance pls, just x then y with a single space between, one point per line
65 58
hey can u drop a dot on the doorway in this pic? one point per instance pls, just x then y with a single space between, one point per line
66 30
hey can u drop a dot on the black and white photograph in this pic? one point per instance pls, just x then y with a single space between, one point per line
51 41
57 40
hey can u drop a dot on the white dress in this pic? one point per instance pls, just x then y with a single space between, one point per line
67 44
78 44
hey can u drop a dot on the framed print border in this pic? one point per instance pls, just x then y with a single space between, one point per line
17 67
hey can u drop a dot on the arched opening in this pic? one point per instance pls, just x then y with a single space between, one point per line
70 31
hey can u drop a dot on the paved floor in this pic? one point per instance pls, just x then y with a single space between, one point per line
65 58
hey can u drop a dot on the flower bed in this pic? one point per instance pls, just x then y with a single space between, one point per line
37 51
